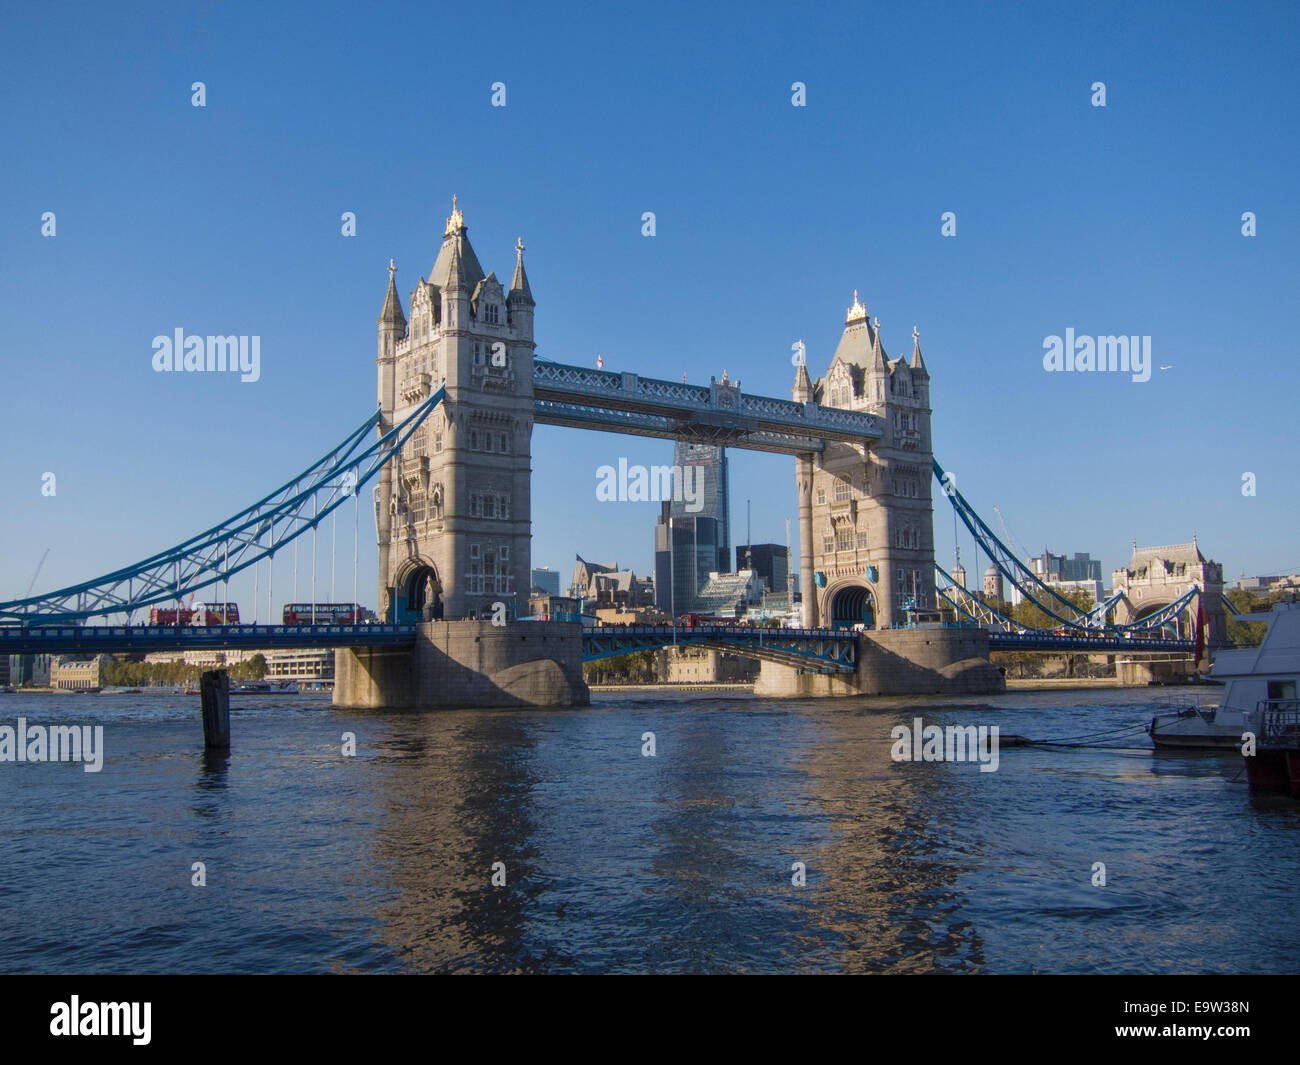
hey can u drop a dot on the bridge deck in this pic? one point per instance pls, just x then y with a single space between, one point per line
823 650
95 639
717 413
1048 641
831 648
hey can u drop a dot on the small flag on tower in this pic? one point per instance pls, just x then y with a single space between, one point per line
599 362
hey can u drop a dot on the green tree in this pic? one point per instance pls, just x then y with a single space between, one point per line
1034 617
635 667
1247 633
1025 663
1030 663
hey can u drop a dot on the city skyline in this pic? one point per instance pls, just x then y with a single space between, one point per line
845 192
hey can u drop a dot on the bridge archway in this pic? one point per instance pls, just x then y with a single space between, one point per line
1144 609
852 604
411 590
1182 625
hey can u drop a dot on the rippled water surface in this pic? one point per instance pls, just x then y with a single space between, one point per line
614 861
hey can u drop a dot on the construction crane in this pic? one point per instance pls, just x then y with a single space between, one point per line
1007 533
32 585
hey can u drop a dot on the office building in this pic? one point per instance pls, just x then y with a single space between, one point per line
686 552
704 469
546 579
769 561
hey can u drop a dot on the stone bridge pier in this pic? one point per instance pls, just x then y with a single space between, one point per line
919 661
467 664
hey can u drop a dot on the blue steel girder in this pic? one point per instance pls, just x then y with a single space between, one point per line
1098 613
235 544
1168 613
106 639
1031 586
576 416
828 650
1038 640
1015 571
974 611
717 413
835 657
971 606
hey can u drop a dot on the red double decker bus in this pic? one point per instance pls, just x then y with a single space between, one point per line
694 621
200 614
324 614
216 614
163 616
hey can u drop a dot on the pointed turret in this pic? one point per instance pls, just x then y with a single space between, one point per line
392 312
878 360
392 328
803 386
519 290
392 322
918 363
456 279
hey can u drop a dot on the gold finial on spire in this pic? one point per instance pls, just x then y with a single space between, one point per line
857 311
456 221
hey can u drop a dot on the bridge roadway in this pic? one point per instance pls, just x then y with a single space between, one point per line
836 649
829 650
825 650
1050 641
105 639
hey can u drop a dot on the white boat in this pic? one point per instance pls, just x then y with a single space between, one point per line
266 687
1251 675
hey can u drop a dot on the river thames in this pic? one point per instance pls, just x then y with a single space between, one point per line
615 861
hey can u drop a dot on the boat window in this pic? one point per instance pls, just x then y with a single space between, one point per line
1281 689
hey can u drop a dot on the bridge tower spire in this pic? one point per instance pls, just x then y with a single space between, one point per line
803 389
865 509
455 525
520 300
918 363
392 332
803 479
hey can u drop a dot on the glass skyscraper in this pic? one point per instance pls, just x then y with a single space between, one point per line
693 539
710 466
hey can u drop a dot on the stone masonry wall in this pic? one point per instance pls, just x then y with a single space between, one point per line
468 664
899 662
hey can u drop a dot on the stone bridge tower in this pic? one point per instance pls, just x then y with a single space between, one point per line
1158 576
870 554
453 508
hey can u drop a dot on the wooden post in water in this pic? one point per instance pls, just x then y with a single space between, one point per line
214 694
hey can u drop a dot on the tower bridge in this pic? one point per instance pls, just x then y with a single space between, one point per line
460 387
453 504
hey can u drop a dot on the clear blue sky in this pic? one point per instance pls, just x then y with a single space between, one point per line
1124 219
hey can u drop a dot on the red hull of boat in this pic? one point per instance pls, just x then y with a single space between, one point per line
1277 771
